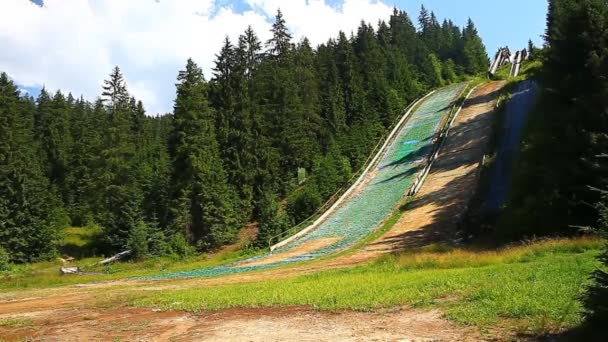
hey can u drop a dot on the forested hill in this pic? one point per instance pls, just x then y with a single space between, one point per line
231 150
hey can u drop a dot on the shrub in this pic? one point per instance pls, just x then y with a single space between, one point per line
178 247
273 220
303 203
4 260
138 240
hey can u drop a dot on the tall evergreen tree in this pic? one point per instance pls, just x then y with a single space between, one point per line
331 95
475 55
202 203
424 20
280 43
119 208
28 231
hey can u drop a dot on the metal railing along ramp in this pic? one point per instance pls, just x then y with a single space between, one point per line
387 180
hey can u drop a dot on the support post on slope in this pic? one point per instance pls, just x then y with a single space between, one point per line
502 57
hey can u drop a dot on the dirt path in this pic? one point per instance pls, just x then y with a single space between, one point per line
276 324
76 312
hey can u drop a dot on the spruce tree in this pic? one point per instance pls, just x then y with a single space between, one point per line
280 43
305 125
424 20
58 142
474 52
331 96
351 81
28 230
202 207
81 162
119 208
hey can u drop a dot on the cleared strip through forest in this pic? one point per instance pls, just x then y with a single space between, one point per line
438 209
372 202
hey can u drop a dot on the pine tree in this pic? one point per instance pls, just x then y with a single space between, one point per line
230 98
58 142
474 52
531 49
28 229
222 93
119 208
331 96
81 158
249 52
202 205
424 20
350 79
403 68
372 68
273 219
281 105
115 89
303 129
280 44
157 187
403 35
431 36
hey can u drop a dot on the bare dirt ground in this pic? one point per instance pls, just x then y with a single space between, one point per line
96 312
269 324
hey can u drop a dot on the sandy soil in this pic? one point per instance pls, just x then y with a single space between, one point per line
76 313
305 248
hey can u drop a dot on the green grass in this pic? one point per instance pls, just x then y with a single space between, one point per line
46 274
80 242
534 286
528 69
16 322
80 236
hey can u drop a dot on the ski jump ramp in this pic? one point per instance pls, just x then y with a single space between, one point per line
371 200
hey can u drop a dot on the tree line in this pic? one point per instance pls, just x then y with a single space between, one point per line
231 150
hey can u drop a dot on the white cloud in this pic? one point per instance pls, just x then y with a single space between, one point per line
73 44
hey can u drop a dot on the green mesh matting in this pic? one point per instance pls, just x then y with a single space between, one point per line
361 214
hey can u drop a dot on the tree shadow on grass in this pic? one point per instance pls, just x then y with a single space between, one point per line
583 332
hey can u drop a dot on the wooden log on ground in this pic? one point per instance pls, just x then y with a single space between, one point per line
116 257
70 270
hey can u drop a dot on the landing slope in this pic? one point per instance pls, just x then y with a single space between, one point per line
371 203
437 210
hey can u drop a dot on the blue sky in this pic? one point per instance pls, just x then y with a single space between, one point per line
73 44
499 23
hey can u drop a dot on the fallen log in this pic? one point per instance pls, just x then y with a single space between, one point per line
70 270
116 257
67 259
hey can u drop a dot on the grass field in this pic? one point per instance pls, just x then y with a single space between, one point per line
46 274
530 288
